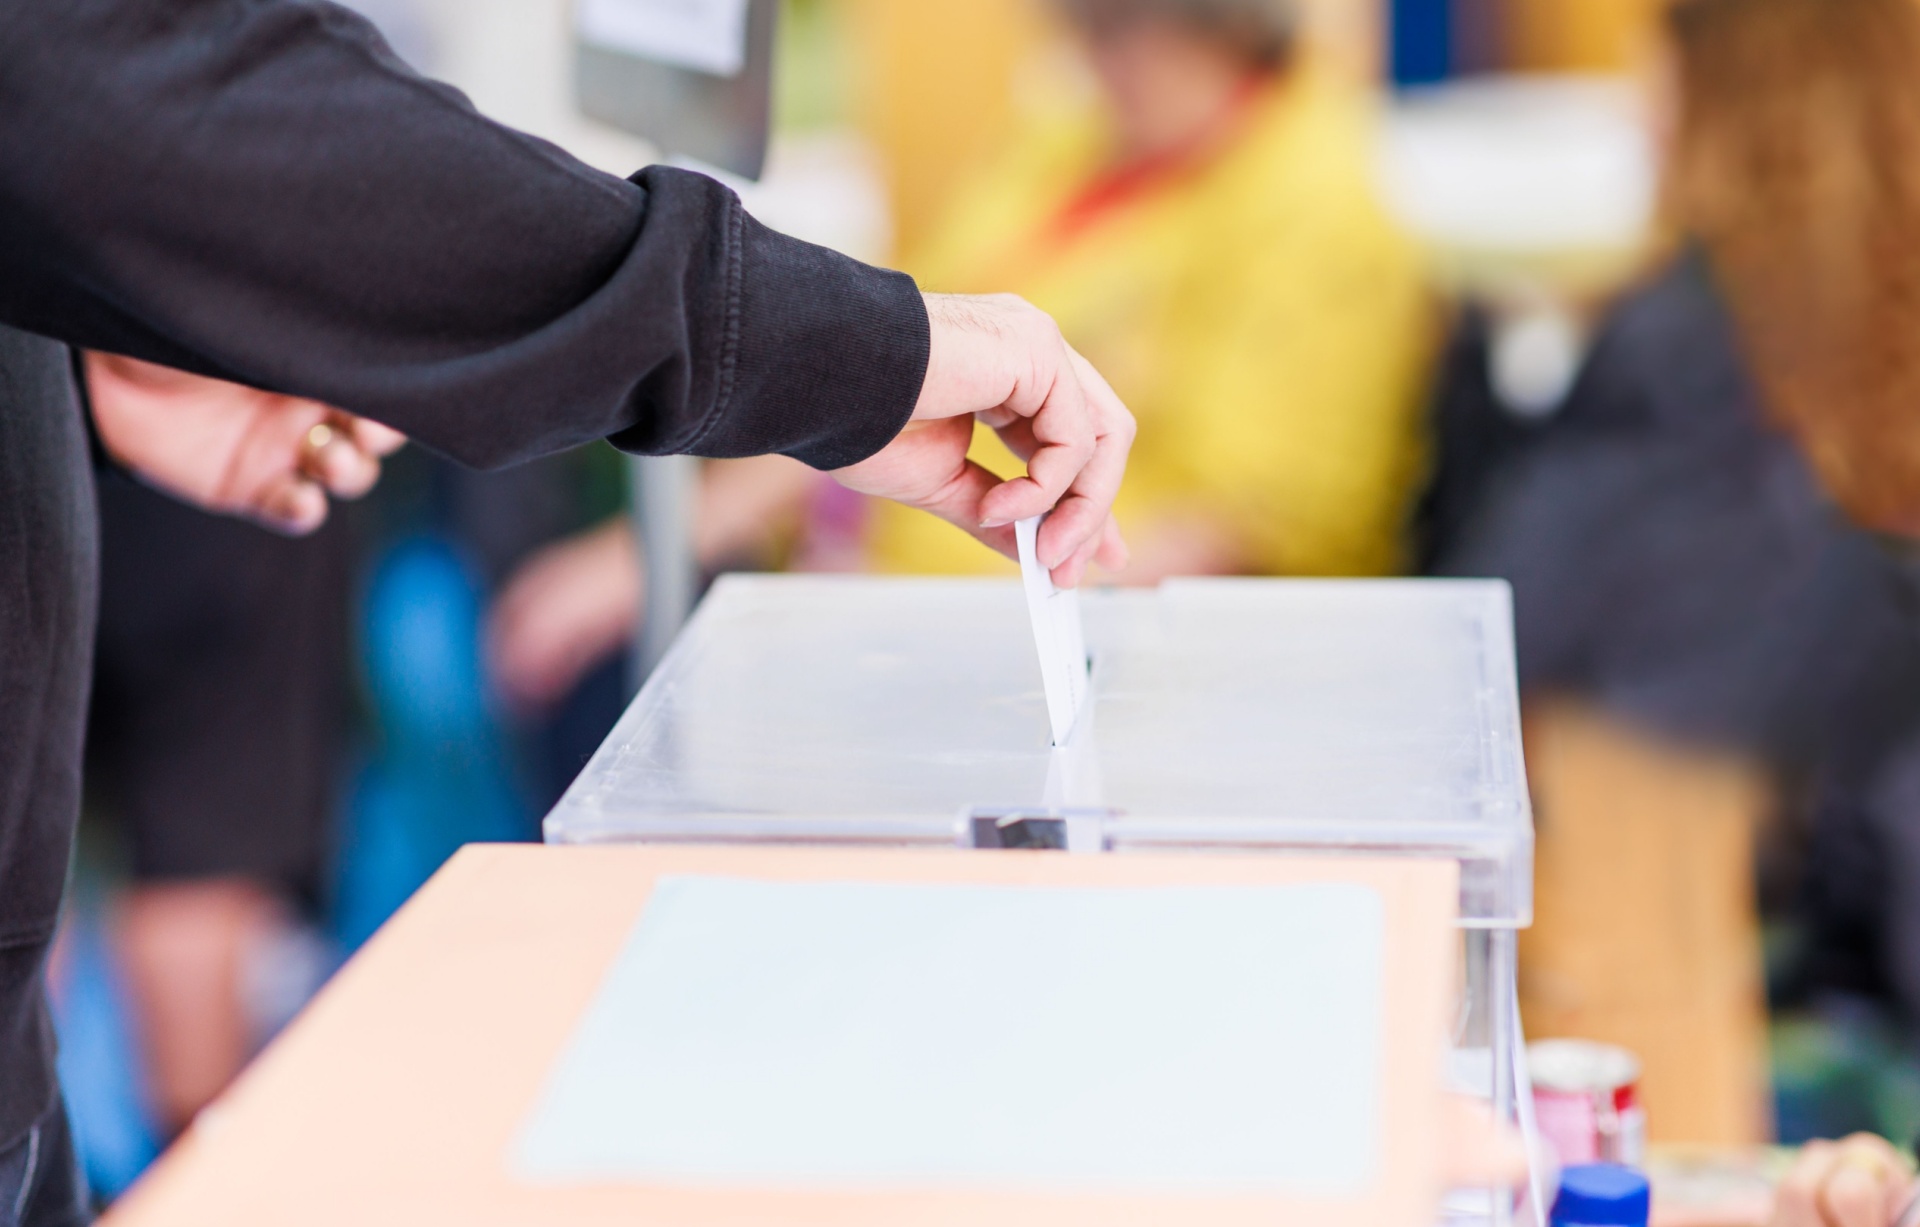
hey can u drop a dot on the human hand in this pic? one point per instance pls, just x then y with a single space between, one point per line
1860 1182
233 449
1004 362
563 611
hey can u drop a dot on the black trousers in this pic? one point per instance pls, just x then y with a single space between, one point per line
40 1181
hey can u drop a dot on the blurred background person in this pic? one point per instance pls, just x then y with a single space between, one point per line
1206 224
1679 564
1795 157
572 607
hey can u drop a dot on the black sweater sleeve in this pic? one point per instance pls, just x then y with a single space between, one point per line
260 190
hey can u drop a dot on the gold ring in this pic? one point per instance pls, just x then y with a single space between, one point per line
319 437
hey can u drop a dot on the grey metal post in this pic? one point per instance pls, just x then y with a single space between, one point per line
663 490
1507 1052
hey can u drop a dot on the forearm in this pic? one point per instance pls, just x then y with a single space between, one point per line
254 189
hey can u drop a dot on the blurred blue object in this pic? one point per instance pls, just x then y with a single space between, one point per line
100 1066
1422 41
439 776
1602 1195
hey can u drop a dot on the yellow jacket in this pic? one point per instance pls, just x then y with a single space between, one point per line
1258 312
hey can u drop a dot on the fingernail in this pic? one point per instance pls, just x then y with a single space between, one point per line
995 523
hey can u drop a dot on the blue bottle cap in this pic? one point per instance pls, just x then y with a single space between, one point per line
1602 1195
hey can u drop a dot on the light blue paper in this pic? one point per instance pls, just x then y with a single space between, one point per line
1202 1040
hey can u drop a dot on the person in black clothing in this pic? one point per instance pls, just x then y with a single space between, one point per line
1673 557
257 191
219 721
1689 536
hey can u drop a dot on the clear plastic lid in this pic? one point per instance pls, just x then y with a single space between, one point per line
1364 716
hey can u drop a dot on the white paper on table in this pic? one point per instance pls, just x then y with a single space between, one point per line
1200 1040
1057 633
707 36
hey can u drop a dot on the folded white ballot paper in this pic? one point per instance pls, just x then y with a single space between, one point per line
1064 668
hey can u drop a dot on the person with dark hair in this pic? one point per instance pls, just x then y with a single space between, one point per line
258 191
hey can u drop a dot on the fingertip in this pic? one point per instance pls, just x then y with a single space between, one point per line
1854 1198
1070 530
350 472
1797 1196
1069 571
296 510
1073 571
377 439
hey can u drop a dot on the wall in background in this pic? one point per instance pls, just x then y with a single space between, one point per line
1577 35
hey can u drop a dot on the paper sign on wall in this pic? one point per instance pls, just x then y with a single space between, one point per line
707 36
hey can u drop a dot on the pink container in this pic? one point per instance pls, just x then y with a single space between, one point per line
1586 1098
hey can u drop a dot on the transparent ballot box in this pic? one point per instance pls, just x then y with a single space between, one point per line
1226 716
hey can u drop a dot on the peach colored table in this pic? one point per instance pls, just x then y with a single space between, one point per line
394 1098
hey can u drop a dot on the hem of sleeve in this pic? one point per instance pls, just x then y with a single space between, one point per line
828 354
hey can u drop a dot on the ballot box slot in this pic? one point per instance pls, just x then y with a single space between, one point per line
1026 828
1495 887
